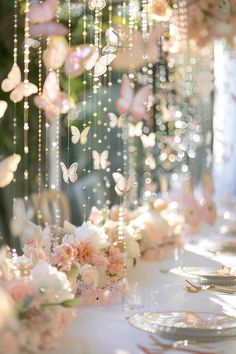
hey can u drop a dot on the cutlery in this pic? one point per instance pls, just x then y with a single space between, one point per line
197 287
161 348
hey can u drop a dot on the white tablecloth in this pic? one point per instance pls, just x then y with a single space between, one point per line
106 330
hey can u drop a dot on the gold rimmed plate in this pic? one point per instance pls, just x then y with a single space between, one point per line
186 325
211 275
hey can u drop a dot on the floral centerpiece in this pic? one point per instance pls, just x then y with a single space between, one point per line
35 303
158 226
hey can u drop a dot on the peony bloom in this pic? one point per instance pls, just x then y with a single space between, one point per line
51 283
89 275
93 233
63 257
84 251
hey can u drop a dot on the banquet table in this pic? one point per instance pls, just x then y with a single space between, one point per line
101 330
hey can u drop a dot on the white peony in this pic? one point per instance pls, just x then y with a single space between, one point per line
90 275
52 283
132 248
93 233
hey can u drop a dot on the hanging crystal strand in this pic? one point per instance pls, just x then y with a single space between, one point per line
86 122
15 53
58 129
26 103
39 179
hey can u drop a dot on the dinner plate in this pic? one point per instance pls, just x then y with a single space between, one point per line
211 276
186 325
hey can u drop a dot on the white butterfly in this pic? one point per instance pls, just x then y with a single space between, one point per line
79 136
123 185
99 63
96 4
148 141
70 174
112 40
19 89
7 168
135 129
115 121
20 224
100 159
3 108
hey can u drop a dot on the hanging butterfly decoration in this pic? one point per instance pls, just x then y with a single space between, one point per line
130 103
123 185
208 204
18 88
135 130
112 41
74 59
99 63
69 174
3 108
134 57
78 136
100 160
114 121
148 141
8 167
42 17
96 4
53 101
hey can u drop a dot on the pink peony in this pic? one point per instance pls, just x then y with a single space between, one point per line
63 257
84 251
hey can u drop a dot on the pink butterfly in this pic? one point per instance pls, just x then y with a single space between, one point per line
18 88
192 209
123 185
134 57
208 204
128 103
42 15
53 101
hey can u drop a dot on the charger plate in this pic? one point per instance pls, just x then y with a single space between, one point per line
200 326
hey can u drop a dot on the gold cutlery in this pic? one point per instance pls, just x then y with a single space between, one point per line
195 288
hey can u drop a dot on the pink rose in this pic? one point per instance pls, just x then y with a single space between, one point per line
19 289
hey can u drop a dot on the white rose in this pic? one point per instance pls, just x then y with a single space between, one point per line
52 283
90 275
93 233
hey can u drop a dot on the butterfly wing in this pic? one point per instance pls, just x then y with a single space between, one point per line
103 159
120 183
55 54
65 174
124 102
72 172
135 129
84 135
96 160
90 62
48 29
3 108
7 168
75 134
42 13
140 103
29 89
113 119
102 64
13 79
19 217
